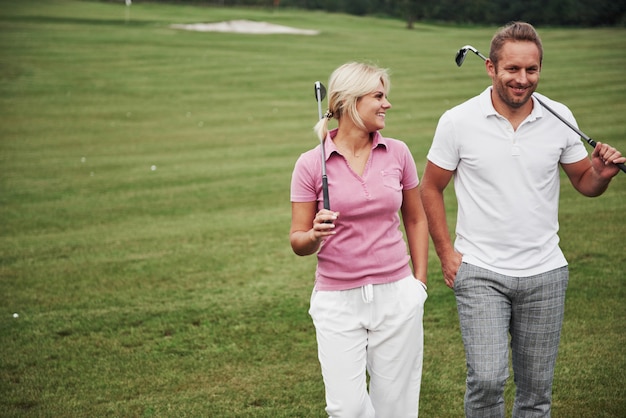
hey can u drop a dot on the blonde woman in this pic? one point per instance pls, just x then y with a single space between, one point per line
368 301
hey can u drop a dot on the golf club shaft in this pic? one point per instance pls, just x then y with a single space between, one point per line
590 141
318 96
574 128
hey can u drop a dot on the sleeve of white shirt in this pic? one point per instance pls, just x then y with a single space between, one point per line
444 152
574 150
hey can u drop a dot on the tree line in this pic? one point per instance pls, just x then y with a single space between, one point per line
582 13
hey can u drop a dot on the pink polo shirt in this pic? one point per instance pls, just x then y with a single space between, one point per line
368 247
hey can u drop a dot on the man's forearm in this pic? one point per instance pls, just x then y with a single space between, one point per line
437 223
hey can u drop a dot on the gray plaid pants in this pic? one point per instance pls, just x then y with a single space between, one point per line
491 307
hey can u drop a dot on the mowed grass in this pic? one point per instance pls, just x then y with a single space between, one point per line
173 291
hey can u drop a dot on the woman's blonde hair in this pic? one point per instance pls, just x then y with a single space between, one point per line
347 84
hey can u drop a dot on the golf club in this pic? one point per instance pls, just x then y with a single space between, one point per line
320 94
460 57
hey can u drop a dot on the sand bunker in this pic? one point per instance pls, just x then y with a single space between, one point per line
245 26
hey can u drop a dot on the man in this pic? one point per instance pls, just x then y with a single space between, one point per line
506 268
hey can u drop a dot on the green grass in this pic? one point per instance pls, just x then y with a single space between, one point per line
174 292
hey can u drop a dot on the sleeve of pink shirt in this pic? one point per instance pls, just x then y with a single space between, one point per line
306 175
410 178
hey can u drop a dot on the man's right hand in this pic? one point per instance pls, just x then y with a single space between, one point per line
449 266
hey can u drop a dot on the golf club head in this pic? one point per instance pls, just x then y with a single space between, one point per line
462 53
322 91
460 56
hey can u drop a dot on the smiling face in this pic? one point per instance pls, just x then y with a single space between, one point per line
372 108
515 76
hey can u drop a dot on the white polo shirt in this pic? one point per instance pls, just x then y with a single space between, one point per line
507 183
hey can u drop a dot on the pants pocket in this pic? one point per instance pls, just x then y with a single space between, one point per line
460 275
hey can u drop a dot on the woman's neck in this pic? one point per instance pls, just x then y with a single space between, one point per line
354 142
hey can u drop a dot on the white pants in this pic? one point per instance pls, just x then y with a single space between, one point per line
378 328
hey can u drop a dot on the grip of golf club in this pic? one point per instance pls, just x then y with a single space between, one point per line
325 192
593 144
620 165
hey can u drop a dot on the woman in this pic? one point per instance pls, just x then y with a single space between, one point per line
367 305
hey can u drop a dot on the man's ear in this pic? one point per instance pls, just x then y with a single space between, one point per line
490 67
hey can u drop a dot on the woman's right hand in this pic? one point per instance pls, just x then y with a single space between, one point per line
323 224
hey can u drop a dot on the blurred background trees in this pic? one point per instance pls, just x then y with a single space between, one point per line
583 13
